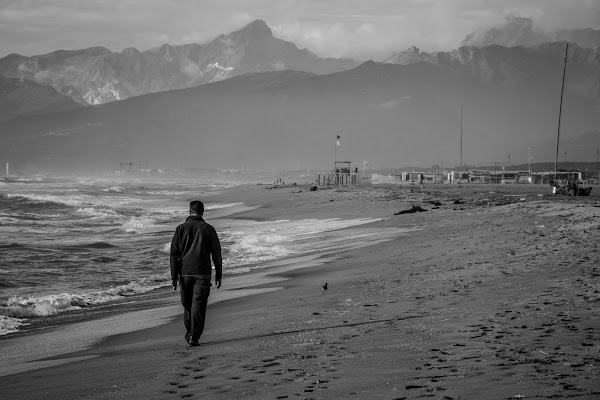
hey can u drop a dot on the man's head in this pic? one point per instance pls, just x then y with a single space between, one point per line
196 208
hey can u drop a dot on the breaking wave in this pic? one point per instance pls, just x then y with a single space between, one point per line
20 307
10 324
95 213
114 189
138 224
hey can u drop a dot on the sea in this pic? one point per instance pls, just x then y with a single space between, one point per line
76 243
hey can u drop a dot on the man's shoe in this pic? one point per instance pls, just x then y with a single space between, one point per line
193 343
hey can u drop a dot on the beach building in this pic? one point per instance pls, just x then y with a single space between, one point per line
342 175
486 176
477 176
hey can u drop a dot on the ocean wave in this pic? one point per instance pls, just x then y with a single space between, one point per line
260 248
166 193
138 224
10 324
96 245
8 220
6 284
48 198
74 200
104 259
222 205
19 307
11 246
95 213
114 189
258 242
25 179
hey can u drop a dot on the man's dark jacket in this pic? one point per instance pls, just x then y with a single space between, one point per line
193 245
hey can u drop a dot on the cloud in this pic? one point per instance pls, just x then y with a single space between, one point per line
353 28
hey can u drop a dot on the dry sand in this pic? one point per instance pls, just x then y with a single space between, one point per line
494 296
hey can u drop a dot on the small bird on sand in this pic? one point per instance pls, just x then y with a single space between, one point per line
324 287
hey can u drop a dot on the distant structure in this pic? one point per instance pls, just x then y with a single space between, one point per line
479 176
7 170
129 168
340 176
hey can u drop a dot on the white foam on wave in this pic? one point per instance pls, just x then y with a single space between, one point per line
7 219
261 247
74 200
139 224
24 180
10 324
165 213
18 308
95 213
258 242
114 189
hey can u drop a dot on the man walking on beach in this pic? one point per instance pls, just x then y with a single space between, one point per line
194 244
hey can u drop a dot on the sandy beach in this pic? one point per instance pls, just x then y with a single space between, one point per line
493 292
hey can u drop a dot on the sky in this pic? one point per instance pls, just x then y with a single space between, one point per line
360 29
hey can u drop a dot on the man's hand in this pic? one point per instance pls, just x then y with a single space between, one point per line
174 284
218 282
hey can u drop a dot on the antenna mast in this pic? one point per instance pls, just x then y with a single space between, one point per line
560 113
461 162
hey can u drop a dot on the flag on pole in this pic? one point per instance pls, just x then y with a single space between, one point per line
338 141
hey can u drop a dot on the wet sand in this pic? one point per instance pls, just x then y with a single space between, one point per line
495 295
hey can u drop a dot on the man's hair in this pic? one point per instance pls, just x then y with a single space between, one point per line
197 207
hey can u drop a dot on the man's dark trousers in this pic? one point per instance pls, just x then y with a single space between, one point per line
194 298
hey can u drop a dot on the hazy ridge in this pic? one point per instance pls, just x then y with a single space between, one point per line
402 112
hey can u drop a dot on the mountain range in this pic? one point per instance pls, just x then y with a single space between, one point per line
519 31
25 97
389 114
515 66
97 75
401 112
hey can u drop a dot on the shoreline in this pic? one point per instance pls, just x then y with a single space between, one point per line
81 331
432 306
84 330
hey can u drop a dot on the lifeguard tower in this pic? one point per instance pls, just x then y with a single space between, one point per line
341 175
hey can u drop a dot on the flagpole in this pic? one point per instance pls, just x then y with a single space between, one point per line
335 152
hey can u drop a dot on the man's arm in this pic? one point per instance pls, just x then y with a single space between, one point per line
215 252
175 262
